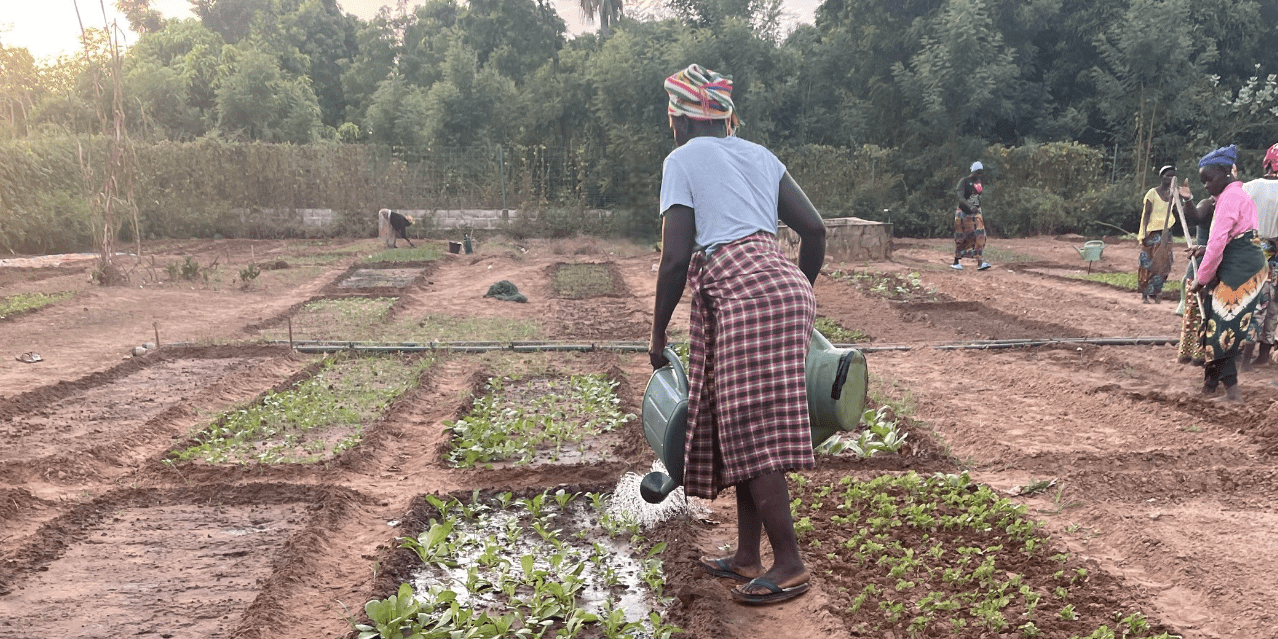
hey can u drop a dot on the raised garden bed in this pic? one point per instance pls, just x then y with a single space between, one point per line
942 556
581 281
553 563
539 420
317 419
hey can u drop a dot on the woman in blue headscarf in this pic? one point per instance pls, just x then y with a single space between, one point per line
1232 273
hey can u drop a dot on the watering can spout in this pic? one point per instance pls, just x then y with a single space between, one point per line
656 486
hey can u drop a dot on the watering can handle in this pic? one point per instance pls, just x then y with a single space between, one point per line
681 374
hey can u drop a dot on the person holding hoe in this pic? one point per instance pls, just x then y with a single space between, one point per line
1157 220
752 319
399 227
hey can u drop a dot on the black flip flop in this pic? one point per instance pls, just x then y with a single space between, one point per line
775 593
720 568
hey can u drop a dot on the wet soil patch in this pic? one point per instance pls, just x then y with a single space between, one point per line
531 555
586 280
974 320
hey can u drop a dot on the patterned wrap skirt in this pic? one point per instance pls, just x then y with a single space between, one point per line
752 317
1191 343
1155 264
969 234
1234 296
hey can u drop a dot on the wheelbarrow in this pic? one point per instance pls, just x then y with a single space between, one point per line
836 385
1091 252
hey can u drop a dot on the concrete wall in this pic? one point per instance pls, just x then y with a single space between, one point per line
470 219
847 239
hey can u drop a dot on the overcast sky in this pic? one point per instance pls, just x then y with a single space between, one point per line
48 28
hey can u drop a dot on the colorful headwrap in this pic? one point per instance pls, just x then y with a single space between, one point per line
701 94
1225 156
1271 159
977 166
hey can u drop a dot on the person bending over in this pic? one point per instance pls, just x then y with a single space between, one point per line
399 225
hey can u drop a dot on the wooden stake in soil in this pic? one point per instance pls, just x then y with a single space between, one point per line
156 326
290 333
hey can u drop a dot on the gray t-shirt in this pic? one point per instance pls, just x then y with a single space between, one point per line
731 185
1265 194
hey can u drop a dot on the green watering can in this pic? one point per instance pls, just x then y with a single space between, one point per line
1091 252
836 384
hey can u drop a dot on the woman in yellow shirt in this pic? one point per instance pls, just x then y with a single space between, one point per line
1156 223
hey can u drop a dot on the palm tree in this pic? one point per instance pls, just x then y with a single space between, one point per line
609 11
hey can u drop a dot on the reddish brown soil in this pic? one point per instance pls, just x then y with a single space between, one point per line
1168 498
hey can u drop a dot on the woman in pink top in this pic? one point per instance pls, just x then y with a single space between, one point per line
1232 272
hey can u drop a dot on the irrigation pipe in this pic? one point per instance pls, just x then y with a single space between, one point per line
1093 341
335 346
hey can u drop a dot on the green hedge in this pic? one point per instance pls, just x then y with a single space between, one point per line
192 189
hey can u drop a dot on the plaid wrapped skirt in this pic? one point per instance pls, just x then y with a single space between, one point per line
752 317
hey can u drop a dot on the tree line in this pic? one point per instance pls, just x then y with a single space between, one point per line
878 107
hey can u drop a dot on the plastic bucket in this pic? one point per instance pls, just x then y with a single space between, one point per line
454 247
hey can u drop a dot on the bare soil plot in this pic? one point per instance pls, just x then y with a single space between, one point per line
163 563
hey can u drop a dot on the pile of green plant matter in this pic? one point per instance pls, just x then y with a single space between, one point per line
579 281
318 419
890 286
943 556
1128 281
547 417
549 565
11 305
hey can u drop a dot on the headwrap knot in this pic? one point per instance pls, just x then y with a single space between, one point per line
701 94
1225 156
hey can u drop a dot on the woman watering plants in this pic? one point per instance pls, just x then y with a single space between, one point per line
1233 271
752 317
